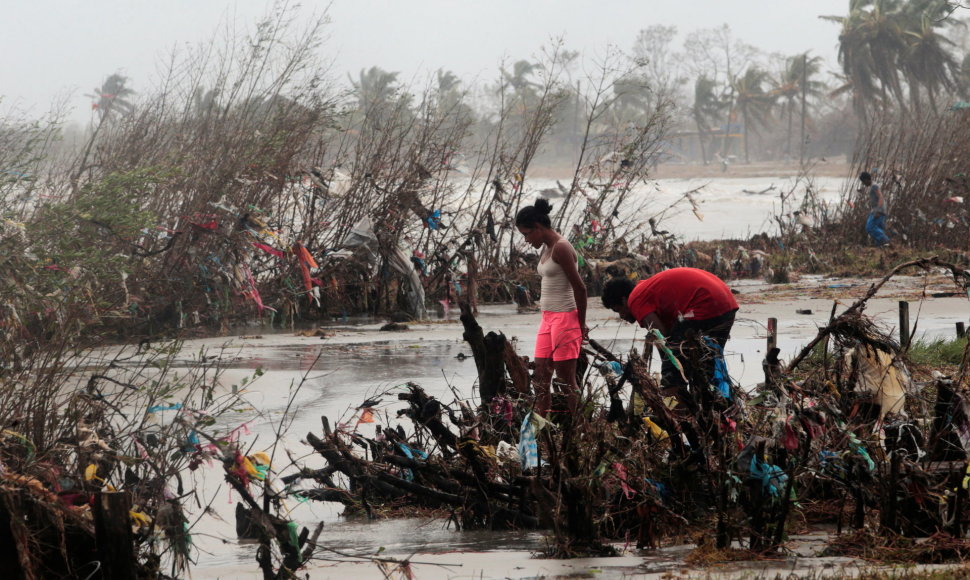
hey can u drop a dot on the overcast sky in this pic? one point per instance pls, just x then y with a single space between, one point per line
64 48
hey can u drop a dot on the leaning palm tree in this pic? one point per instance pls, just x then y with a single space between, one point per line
519 77
112 97
450 98
373 87
797 83
927 62
870 44
752 102
708 105
446 80
632 99
110 100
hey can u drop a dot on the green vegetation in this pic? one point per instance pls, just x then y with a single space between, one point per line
940 352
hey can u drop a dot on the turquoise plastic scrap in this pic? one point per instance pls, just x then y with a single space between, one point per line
772 477
613 367
410 453
857 447
721 379
172 407
662 345
528 446
191 441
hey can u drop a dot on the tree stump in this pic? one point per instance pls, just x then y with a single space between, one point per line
114 538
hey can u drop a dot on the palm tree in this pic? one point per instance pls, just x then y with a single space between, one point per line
110 100
447 81
926 61
752 102
707 106
887 41
112 97
450 98
519 79
373 87
870 45
796 83
631 99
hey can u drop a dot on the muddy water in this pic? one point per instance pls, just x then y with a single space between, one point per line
309 377
306 378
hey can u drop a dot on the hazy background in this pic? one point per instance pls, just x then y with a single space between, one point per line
56 51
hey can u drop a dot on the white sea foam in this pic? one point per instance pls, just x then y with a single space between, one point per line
731 207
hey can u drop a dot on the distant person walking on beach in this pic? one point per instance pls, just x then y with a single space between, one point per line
563 304
677 302
876 222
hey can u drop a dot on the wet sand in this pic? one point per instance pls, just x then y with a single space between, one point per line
355 362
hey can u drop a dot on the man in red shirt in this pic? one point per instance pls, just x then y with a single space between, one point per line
679 303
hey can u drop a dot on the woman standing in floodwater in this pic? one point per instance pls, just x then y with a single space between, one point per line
563 304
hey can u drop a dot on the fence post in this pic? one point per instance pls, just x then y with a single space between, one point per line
903 324
961 330
771 365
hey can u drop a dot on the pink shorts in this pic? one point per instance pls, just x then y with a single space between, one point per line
560 336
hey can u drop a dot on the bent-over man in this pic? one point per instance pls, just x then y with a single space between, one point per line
677 302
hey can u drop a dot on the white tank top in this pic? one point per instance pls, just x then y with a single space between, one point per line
556 294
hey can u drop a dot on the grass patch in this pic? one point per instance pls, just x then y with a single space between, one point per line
938 352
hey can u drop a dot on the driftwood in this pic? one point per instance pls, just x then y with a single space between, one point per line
684 457
432 486
489 353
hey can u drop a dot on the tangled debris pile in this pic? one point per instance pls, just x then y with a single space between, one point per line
844 424
101 477
847 424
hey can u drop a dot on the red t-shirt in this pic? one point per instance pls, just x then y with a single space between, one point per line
681 294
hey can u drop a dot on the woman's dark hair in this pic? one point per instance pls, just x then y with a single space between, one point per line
616 291
531 215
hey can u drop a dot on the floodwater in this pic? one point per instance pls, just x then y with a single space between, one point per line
726 208
306 378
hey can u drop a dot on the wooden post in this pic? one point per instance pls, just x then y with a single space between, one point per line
772 333
770 364
903 324
112 528
961 330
